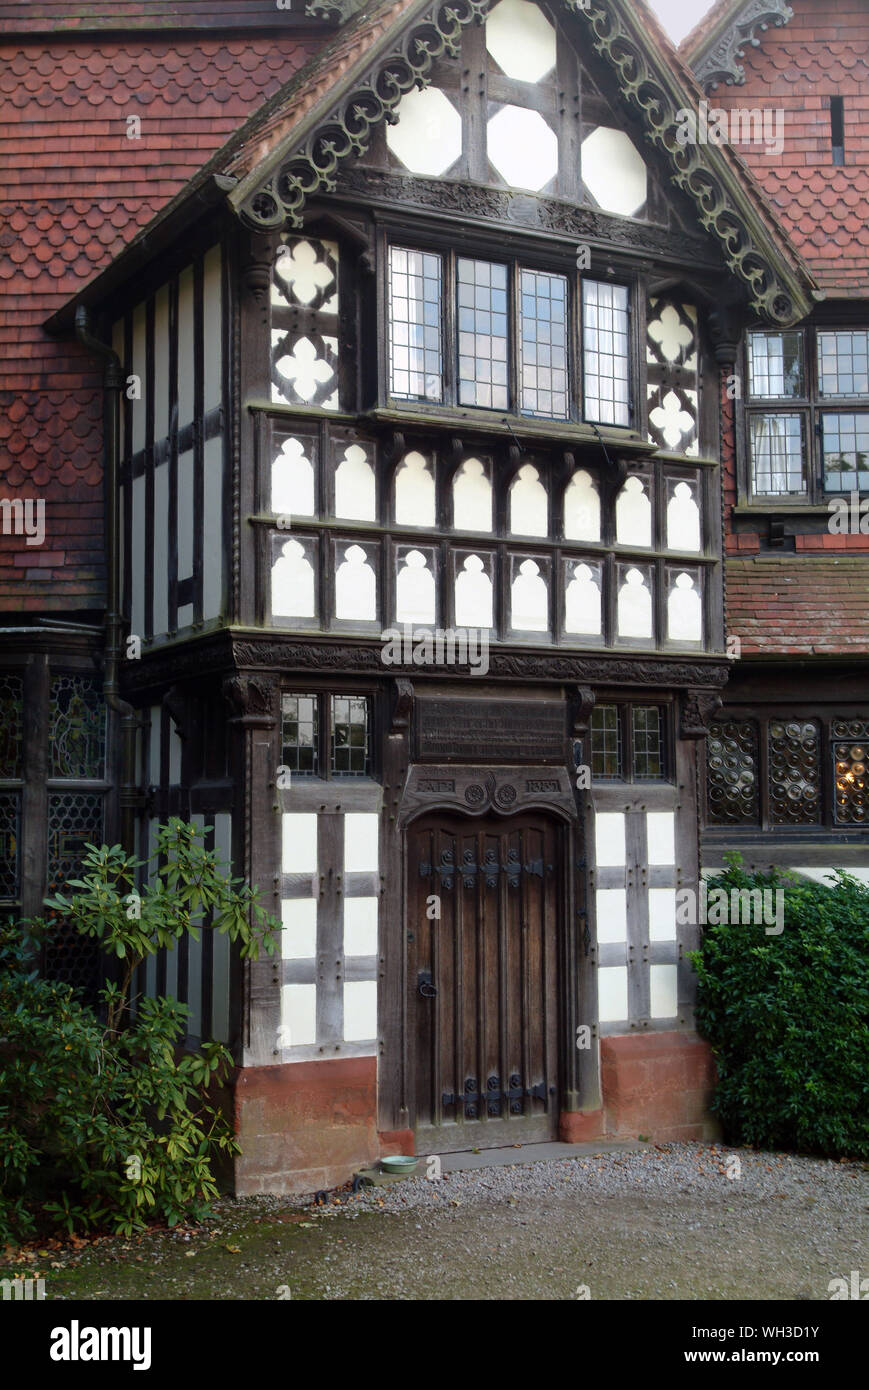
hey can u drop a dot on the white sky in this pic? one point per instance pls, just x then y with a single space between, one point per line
678 17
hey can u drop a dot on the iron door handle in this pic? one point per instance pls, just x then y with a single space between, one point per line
424 985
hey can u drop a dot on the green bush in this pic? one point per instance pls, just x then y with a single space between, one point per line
108 1123
788 1016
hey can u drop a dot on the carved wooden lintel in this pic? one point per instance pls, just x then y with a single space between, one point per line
477 791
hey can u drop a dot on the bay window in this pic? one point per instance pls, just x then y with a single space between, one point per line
496 336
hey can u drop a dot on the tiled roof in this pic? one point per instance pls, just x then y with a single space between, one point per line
823 207
75 191
718 14
799 606
41 16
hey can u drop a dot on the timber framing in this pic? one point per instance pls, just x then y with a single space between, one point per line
306 160
296 145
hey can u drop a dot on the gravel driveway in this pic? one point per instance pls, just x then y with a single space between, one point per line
661 1223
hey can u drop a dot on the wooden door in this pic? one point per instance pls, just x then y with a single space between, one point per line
482 980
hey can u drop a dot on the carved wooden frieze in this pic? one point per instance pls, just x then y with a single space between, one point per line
478 791
224 653
540 214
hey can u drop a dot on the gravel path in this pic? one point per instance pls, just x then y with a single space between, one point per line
662 1223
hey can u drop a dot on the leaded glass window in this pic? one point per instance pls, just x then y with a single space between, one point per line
350 736
605 347
299 734
415 367
606 752
850 757
845 443
797 448
733 788
794 772
482 318
10 836
11 717
843 363
648 742
628 743
77 732
775 365
777 454
543 344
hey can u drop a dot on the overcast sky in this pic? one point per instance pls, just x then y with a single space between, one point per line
679 16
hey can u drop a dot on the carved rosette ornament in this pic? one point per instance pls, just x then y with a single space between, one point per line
698 707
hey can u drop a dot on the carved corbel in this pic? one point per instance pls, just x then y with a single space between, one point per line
725 330
583 706
178 705
256 269
403 706
698 708
251 699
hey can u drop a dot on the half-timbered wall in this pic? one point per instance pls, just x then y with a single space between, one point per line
196 973
173 543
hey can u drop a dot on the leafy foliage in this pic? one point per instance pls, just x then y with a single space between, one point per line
788 1016
109 1123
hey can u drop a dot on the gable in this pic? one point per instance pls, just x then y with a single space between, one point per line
298 148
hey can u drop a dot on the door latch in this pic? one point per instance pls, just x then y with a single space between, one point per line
424 985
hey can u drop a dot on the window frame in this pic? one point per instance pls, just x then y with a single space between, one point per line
825 716
810 407
325 723
625 730
557 262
